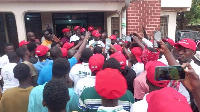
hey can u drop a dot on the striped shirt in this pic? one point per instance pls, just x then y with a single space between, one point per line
90 101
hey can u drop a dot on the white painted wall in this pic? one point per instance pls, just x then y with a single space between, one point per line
176 3
171 23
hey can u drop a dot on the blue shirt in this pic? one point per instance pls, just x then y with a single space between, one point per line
36 98
46 72
39 65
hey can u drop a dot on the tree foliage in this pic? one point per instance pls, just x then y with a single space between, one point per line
194 14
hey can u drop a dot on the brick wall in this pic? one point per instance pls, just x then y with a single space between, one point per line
143 13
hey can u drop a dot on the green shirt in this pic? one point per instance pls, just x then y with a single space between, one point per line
90 100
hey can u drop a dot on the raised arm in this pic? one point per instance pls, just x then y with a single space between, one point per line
78 53
168 55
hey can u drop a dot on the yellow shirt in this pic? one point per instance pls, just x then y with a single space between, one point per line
15 100
47 43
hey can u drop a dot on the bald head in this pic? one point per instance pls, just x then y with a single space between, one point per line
31 36
55 52
71 53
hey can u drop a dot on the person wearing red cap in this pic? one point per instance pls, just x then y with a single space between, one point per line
31 38
83 30
138 66
66 37
113 39
141 106
77 34
79 71
23 43
41 52
126 71
186 49
91 29
167 100
95 64
96 39
90 99
64 52
109 88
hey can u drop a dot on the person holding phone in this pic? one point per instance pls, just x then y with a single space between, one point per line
96 40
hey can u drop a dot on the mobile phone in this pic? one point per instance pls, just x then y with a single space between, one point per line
169 73
157 36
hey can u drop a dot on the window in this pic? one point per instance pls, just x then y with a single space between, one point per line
33 24
164 26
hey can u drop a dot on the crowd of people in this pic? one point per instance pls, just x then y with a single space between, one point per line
82 73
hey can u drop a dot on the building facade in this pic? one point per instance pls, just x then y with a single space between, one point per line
17 17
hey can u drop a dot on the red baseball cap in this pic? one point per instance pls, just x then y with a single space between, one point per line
41 50
68 45
151 74
120 58
167 100
64 52
170 41
90 28
96 33
23 42
110 83
113 37
137 52
77 27
82 30
96 62
187 43
66 30
99 28
118 48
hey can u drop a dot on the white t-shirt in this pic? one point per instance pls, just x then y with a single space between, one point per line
111 109
140 106
79 71
138 68
74 38
91 42
3 60
84 83
8 76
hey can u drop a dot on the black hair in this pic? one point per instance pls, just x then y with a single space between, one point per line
8 44
21 51
31 46
97 49
56 95
61 68
21 71
55 52
112 63
54 44
86 54
104 31
12 56
115 31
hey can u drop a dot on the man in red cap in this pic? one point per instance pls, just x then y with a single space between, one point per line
77 34
138 66
67 35
90 99
41 52
96 39
91 29
95 64
23 43
109 88
126 71
167 100
113 39
141 106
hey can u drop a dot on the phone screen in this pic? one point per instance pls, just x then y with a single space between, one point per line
169 73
